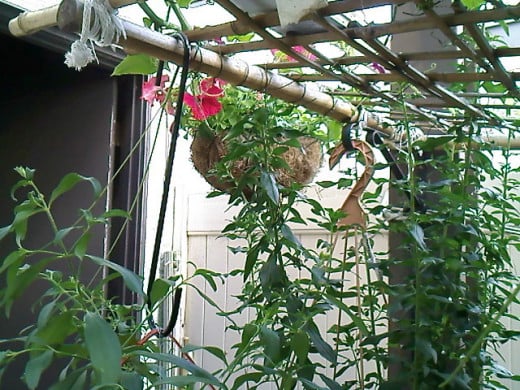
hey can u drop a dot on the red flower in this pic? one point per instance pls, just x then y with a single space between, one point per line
202 106
153 92
212 86
206 103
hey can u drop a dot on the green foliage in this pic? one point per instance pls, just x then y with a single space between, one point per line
244 109
473 4
136 64
76 322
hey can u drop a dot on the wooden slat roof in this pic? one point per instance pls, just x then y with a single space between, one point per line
430 95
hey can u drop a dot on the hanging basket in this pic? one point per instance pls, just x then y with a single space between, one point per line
304 161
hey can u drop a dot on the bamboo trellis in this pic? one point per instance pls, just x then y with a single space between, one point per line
427 97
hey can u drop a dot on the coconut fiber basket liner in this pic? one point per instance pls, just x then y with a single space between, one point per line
304 161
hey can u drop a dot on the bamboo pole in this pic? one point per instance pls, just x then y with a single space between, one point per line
30 22
238 72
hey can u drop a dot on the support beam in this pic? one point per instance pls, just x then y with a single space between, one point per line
32 21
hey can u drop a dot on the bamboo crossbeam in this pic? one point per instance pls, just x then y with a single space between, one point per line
344 77
425 23
366 32
499 71
381 54
416 56
468 51
30 22
270 19
395 77
143 40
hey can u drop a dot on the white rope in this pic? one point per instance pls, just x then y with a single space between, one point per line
100 26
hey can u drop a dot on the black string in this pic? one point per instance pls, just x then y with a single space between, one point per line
166 190
375 139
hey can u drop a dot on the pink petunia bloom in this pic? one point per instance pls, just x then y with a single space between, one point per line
152 92
206 103
202 106
212 86
306 53
219 41
378 67
299 49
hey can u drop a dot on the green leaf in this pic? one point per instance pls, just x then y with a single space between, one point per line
251 259
80 248
160 288
22 214
132 281
69 181
272 345
45 314
62 233
241 38
54 330
249 331
268 183
431 143
418 235
180 380
35 367
209 276
331 385
425 347
289 235
131 381
300 344
184 3
271 275
26 173
103 347
136 64
20 184
116 213
217 352
13 259
473 4
355 319
311 385
203 375
19 279
321 345
254 377
5 231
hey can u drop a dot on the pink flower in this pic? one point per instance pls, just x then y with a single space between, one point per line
378 67
202 106
152 92
306 53
206 103
212 86
299 49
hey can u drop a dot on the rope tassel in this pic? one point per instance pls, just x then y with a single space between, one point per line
101 26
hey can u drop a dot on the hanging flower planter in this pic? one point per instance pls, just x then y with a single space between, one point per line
302 162
224 118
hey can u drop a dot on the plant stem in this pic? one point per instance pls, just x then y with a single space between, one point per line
475 348
185 26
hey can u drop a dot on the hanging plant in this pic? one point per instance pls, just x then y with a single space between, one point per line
228 122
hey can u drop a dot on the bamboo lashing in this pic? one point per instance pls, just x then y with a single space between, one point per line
30 22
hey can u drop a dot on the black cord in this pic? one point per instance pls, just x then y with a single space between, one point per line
166 190
375 139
